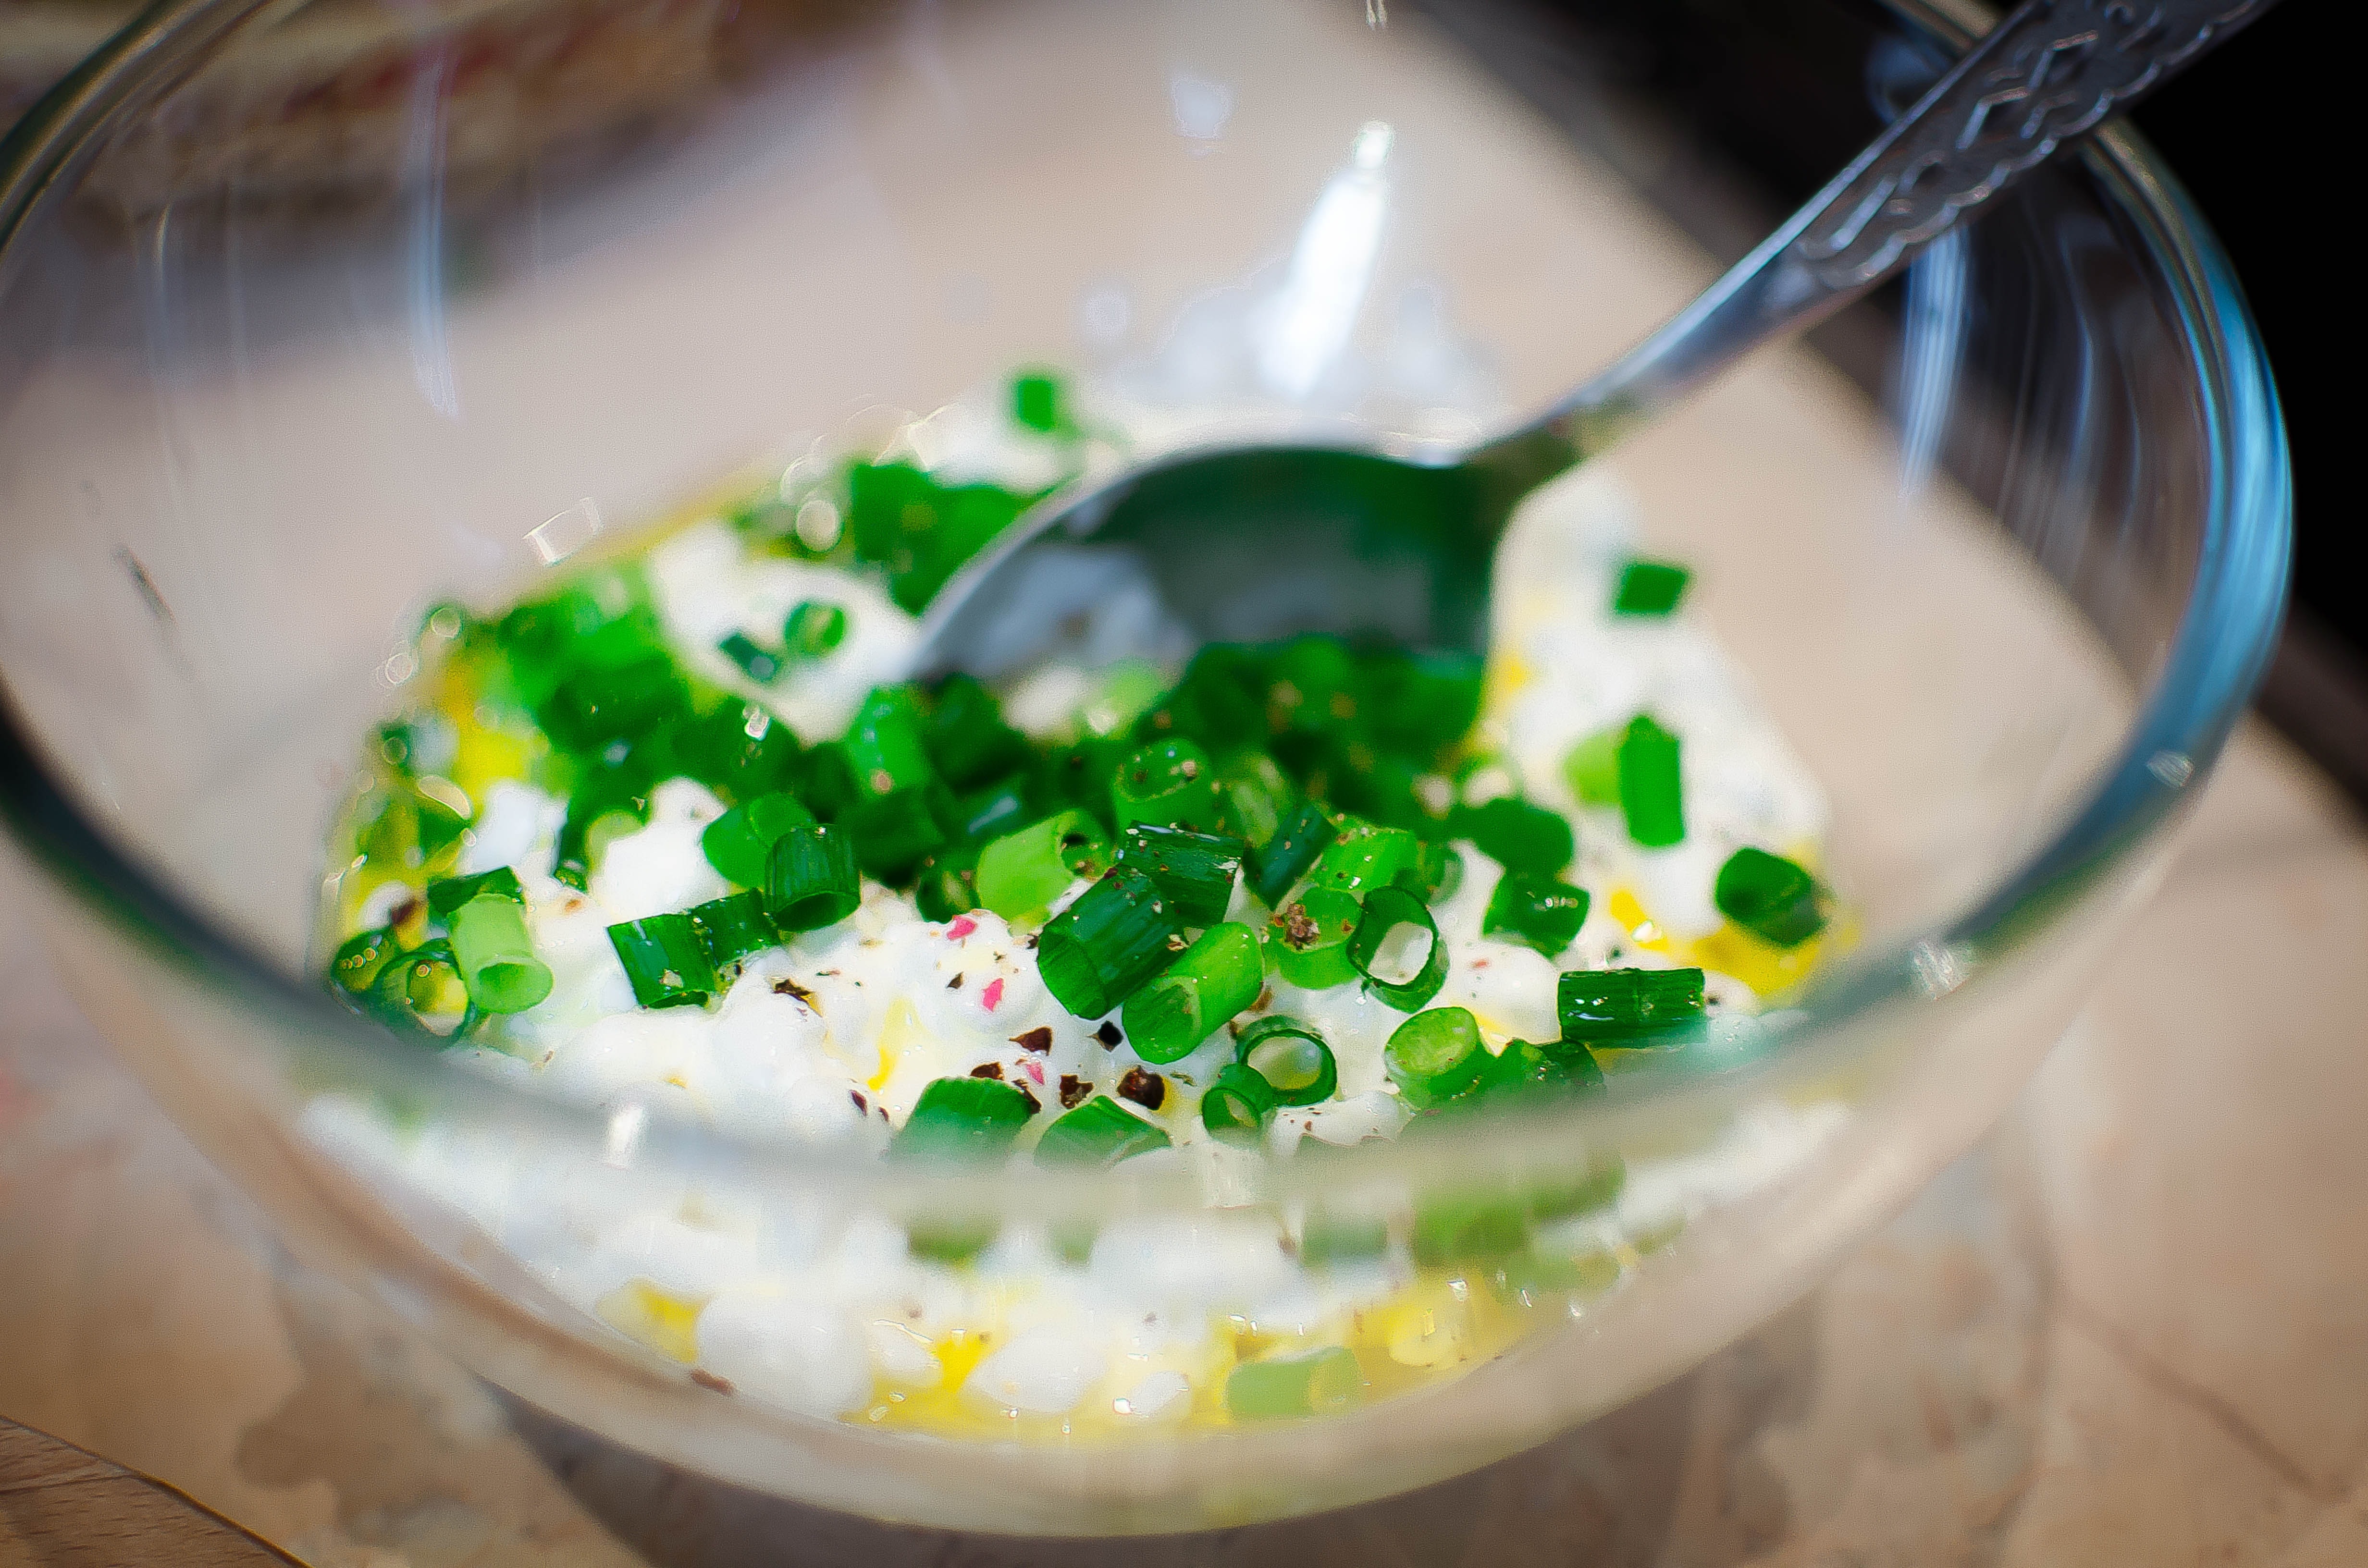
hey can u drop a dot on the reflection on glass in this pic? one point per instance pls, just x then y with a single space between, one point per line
1317 309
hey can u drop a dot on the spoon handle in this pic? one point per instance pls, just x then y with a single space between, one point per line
2050 71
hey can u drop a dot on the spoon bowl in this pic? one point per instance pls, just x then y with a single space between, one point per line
1241 544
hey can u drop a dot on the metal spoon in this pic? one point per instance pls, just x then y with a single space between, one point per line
1248 542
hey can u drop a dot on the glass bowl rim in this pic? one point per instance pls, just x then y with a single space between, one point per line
2227 631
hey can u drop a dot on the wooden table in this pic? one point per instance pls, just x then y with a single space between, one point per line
2130 1327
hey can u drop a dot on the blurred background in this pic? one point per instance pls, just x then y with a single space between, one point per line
2223 128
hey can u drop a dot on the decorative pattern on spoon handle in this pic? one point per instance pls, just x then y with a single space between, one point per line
2047 73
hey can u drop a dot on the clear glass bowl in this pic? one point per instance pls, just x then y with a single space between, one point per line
309 319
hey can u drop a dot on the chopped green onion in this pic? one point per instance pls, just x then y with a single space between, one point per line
1194 871
495 956
1039 402
1531 1279
1021 874
893 832
1422 702
1651 794
1650 587
424 982
445 897
1291 1057
950 1238
1523 1070
809 879
1073 1240
1518 1068
737 749
411 827
962 1119
1517 835
823 779
1573 1063
1540 912
588 710
663 958
1316 686
1435 1056
1209 984
1237 1104
755 662
887 503
739 842
989 813
600 621
607 803
1614 1005
812 629
1774 899
947 885
1317 1383
1439 869
1389 789
1168 783
1254 795
966 737
1379 954
1275 867
1080 776
1100 1132
406 745
1592 1186
1366 857
1309 938
732 929
1099 951
1466 1229
1126 690
1335 1238
1593 768
884 744
1221 702
362 957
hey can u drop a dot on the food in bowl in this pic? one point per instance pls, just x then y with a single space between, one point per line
677 838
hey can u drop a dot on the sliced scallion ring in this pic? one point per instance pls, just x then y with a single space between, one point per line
738 842
1291 1057
361 958
1100 1132
495 956
1615 1006
1101 949
1194 871
1308 938
1317 1383
1209 984
962 1119
1772 897
447 896
664 961
1436 1056
1236 1105
732 929
1403 985
1022 873
421 984
1303 833
809 879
